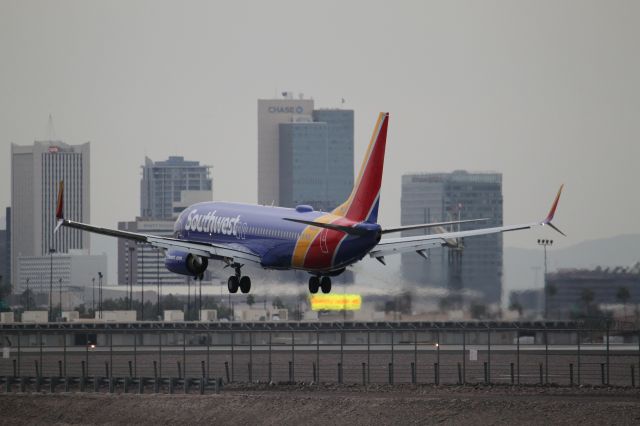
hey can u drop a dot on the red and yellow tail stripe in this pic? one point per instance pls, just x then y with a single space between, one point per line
366 190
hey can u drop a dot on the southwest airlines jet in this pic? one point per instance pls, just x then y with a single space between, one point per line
321 243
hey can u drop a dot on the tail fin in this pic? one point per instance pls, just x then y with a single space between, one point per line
362 204
59 208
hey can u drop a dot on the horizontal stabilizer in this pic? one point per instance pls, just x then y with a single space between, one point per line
430 225
346 229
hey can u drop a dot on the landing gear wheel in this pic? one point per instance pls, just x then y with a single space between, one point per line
232 284
314 284
245 284
325 284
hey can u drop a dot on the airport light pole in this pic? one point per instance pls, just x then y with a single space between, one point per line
131 249
60 294
545 244
93 299
99 295
158 284
28 294
142 292
51 251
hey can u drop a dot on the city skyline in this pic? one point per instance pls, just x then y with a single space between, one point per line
536 95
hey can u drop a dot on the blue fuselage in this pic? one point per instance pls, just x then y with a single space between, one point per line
279 243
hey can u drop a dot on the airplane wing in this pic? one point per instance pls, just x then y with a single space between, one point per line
420 243
230 253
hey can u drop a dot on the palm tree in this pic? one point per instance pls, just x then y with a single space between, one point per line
587 297
623 295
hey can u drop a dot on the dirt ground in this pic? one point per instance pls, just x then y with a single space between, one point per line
333 404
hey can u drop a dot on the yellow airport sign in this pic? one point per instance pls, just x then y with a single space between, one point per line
336 302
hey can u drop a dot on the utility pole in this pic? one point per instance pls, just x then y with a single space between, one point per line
544 244
51 251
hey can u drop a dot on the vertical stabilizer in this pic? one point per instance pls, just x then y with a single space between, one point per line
362 204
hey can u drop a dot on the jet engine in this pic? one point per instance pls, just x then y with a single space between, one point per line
185 263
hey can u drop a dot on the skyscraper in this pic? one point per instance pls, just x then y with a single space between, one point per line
305 156
436 197
166 188
36 171
272 112
316 160
165 185
5 249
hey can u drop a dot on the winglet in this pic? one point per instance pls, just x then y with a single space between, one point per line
552 212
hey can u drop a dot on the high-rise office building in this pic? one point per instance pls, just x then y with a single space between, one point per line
166 189
305 156
36 171
165 185
316 160
5 249
436 197
272 112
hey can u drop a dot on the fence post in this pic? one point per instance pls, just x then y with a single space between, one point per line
633 377
518 355
512 375
579 360
459 374
546 356
59 368
14 369
315 379
179 370
364 374
106 369
540 367
464 357
570 374
249 372
172 383
130 369
290 372
226 370
607 377
486 374
488 355
156 382
66 384
340 373
602 373
436 378
390 373
413 372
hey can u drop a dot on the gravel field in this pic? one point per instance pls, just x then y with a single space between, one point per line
354 405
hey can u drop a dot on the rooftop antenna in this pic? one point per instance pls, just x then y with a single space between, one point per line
51 134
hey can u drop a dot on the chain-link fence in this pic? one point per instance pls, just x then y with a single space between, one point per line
431 353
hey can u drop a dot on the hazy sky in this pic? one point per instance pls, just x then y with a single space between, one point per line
544 92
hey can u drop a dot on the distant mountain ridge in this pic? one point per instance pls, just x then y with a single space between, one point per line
524 268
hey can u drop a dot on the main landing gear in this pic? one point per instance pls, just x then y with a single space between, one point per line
238 281
316 283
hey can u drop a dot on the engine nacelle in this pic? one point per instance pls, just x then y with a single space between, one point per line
185 263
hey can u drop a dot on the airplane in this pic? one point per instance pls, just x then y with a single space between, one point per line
322 243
